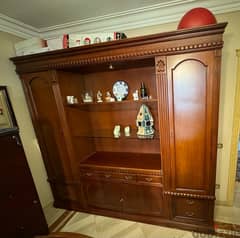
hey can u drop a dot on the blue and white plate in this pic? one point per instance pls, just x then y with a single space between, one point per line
120 90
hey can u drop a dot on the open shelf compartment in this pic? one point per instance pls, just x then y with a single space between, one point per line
123 160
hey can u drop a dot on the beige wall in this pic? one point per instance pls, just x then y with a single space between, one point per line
9 78
232 42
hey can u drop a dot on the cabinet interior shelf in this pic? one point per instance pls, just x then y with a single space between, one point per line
109 134
117 104
123 160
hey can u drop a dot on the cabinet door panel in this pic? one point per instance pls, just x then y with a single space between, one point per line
39 87
103 194
191 102
21 212
143 199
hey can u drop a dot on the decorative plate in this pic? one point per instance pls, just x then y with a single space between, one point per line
120 90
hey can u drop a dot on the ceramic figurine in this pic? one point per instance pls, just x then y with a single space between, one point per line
127 131
145 123
116 131
87 97
135 95
72 100
99 96
109 97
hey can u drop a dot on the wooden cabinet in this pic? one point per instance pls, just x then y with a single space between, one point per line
21 212
149 180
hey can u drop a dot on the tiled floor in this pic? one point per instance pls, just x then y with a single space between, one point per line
106 227
230 214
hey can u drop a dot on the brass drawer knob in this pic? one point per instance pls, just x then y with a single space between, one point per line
189 214
107 175
148 179
121 200
11 196
128 177
35 201
89 174
190 201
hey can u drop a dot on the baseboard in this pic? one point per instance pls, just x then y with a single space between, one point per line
52 214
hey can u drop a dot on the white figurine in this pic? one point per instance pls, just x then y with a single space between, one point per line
99 96
109 97
87 97
72 100
127 130
135 95
116 131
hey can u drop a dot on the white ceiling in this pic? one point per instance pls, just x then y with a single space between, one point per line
46 13
47 18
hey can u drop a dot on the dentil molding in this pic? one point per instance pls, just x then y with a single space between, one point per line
136 18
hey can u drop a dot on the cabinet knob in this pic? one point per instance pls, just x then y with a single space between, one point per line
190 201
89 174
35 201
220 145
189 214
148 179
121 200
10 196
16 138
128 177
107 175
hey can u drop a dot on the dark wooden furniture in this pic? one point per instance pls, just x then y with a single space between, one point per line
168 180
21 213
64 235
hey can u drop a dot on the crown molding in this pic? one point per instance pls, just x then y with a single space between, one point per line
136 18
12 26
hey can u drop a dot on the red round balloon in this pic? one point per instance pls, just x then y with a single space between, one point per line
197 17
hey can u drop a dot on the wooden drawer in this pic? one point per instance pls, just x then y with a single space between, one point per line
94 174
118 176
191 209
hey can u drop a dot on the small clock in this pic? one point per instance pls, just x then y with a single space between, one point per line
120 90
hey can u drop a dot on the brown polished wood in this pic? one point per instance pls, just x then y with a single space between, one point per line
167 180
21 212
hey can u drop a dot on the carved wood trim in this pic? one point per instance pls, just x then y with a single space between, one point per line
162 92
189 195
135 54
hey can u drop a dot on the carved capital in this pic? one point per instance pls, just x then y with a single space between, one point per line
160 66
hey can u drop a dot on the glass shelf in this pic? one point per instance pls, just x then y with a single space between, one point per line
125 104
109 134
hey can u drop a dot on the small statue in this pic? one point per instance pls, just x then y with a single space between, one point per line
127 130
135 95
109 97
145 123
87 97
116 131
99 96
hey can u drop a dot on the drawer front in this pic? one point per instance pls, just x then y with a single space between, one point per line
122 177
149 179
88 174
190 209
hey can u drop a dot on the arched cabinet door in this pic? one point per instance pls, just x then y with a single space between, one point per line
45 103
193 91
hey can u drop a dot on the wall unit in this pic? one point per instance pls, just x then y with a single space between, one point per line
169 179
